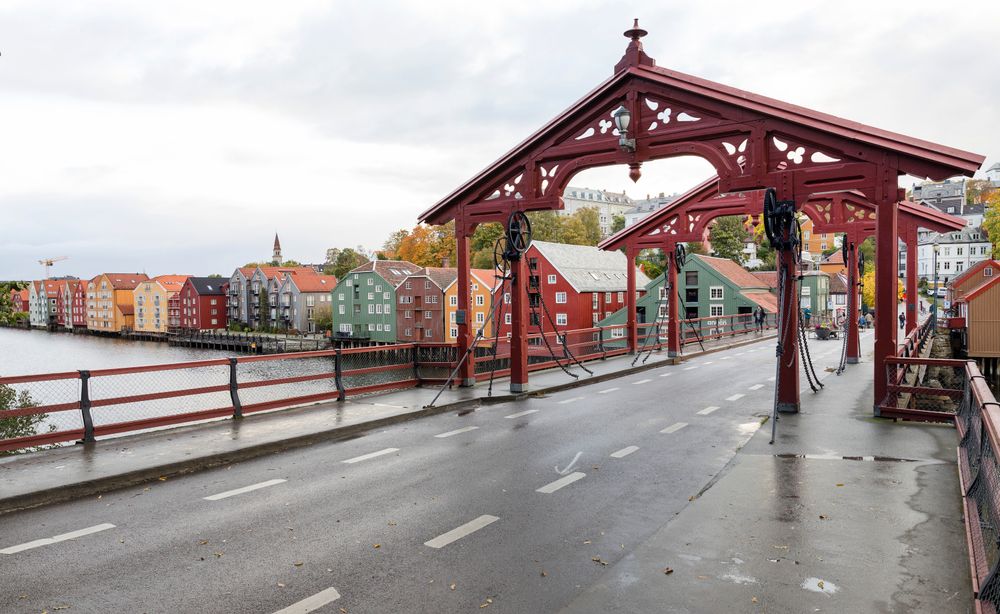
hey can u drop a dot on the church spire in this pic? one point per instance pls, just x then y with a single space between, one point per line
276 256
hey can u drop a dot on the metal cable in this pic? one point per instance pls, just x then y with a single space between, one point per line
566 349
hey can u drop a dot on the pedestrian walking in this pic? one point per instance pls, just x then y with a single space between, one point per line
758 318
862 322
902 321
869 320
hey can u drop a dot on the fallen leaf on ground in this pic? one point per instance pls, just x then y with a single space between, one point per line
599 560
753 600
452 587
780 547
820 584
202 542
281 585
586 541
691 498
343 610
218 554
839 484
544 573
392 523
822 517
60 607
162 478
297 563
377 546
668 570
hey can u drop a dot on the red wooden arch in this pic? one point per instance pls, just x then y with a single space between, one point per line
754 142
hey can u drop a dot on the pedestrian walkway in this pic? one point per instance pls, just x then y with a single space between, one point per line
844 513
69 472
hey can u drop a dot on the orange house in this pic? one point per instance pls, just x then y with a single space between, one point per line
834 263
110 301
815 243
480 304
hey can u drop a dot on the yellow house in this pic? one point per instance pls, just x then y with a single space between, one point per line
151 300
479 310
111 302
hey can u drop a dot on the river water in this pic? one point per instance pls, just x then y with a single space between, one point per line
27 352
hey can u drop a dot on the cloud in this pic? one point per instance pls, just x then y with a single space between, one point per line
206 127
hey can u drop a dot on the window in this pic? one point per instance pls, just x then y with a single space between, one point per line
408 285
475 287
805 290
691 278
408 332
371 296
480 300
561 319
715 293
340 309
428 315
378 327
427 284
388 328
407 314
506 318
371 327
213 302
552 279
595 302
310 301
428 333
988 272
387 310
453 300
214 321
452 316
385 296
947 266
560 297
480 317
378 309
607 298
371 282
506 298
958 251
621 297
371 309
715 310
453 331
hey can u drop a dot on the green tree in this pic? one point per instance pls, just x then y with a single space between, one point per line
347 259
323 318
729 236
617 223
18 426
696 247
264 323
991 221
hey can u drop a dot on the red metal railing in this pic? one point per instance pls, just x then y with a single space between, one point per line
84 405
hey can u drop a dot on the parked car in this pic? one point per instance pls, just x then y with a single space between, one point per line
941 292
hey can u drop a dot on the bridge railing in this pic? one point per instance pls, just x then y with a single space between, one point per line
978 424
720 327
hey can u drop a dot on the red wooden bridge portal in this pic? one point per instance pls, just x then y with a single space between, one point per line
831 167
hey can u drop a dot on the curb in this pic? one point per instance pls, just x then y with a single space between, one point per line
105 484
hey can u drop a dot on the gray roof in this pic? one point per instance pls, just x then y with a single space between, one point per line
207 285
968 234
589 269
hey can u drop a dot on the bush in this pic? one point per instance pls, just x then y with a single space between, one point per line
18 426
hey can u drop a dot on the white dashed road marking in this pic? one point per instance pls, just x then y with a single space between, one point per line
459 532
756 386
666 374
624 452
606 391
689 368
457 432
522 413
311 604
673 428
707 410
58 538
735 397
551 487
245 489
770 379
565 401
708 363
364 457
642 381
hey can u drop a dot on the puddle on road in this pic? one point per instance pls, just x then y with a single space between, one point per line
817 585
870 459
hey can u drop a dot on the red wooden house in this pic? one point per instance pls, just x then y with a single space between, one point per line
202 304
420 313
20 300
578 284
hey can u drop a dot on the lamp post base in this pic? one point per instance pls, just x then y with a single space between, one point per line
788 408
518 388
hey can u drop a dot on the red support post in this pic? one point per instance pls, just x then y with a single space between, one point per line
886 282
909 234
630 323
788 362
467 372
519 325
853 301
673 321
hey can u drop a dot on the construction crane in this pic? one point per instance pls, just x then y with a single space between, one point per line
48 262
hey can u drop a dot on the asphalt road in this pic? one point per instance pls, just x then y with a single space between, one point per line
513 508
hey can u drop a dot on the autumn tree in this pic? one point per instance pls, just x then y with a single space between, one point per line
978 190
991 222
346 260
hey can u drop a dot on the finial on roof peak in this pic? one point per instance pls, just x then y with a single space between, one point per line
634 55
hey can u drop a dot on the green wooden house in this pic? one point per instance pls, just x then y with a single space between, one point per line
364 301
709 287
815 295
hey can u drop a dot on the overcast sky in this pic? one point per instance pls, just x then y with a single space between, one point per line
178 137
